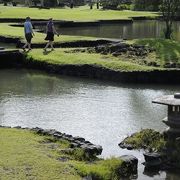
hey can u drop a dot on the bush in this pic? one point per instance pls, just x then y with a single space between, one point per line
106 4
124 7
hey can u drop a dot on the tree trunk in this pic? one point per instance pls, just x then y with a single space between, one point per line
168 30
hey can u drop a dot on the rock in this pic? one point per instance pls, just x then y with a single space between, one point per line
63 159
126 146
129 165
37 130
74 145
92 149
57 135
79 139
153 160
152 156
89 177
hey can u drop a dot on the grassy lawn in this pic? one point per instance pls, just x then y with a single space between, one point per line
167 51
76 14
66 56
26 155
18 32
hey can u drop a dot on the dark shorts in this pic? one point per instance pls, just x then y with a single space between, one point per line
50 36
28 37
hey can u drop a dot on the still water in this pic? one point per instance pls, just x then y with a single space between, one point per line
102 112
137 29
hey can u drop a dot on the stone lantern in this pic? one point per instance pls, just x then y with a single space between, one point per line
173 118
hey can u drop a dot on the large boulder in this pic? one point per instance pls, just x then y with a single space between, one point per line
129 166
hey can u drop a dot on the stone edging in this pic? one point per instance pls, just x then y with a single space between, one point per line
75 142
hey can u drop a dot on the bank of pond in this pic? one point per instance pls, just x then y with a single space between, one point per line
50 154
138 61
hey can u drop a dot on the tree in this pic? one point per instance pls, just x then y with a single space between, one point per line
169 9
107 4
146 5
6 2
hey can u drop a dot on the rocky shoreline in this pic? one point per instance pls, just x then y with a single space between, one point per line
75 142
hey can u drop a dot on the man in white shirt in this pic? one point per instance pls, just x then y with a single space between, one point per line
28 31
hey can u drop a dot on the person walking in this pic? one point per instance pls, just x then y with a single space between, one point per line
50 31
28 31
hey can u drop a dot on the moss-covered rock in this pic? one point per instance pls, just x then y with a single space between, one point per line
145 139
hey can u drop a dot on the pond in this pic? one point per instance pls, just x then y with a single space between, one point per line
102 112
137 29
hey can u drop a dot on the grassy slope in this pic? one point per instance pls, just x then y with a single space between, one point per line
64 56
25 155
9 31
167 51
76 14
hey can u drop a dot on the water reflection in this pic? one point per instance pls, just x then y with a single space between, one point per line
138 29
102 112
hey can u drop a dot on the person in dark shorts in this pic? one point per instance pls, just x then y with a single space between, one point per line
50 31
28 31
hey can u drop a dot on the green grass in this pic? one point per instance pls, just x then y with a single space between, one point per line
167 51
18 32
66 56
107 169
23 156
76 14
26 155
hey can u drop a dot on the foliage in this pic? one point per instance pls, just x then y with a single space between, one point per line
167 51
169 9
113 4
146 5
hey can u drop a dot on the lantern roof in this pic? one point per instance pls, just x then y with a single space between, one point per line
170 100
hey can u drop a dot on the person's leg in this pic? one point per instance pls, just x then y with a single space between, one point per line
26 44
29 46
47 45
52 48
29 42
